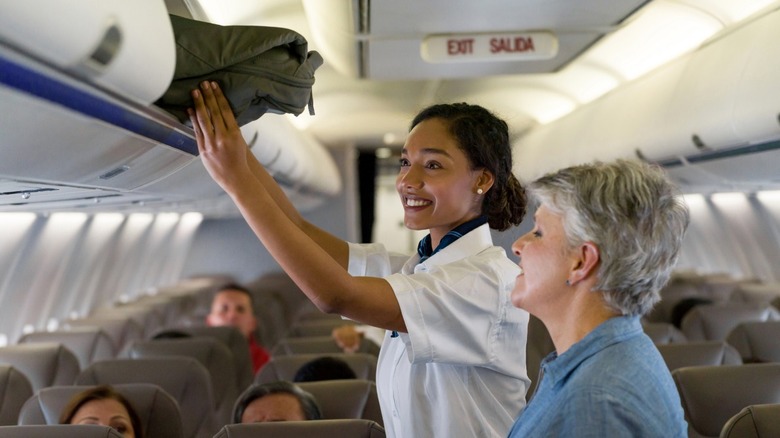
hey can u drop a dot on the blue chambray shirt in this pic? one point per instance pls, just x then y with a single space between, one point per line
613 383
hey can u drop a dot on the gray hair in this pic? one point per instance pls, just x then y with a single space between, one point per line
632 212
309 406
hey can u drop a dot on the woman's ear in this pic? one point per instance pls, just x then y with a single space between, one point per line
485 180
588 257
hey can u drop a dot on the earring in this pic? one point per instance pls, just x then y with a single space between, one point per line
568 283
480 191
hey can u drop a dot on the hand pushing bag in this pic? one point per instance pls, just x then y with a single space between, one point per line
259 69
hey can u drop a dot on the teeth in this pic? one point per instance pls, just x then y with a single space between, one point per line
416 202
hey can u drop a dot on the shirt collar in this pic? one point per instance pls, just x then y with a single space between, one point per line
609 332
424 247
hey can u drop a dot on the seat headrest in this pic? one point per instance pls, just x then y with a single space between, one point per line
711 395
285 367
87 343
304 429
15 389
59 431
756 421
44 364
157 410
346 399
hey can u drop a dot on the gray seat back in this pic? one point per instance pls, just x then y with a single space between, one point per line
232 338
346 399
304 429
184 378
698 354
756 421
317 327
89 344
59 431
121 329
757 341
157 410
663 333
711 395
15 389
285 367
713 322
318 345
44 364
211 353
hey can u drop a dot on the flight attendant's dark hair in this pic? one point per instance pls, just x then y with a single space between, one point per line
485 139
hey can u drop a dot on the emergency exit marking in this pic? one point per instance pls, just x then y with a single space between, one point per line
489 47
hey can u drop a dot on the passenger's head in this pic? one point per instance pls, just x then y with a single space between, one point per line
232 306
324 368
275 401
102 405
484 139
628 213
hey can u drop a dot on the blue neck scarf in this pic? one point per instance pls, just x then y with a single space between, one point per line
424 247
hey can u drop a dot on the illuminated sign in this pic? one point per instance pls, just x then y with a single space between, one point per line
524 46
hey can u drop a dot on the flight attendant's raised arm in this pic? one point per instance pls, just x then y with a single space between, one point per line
273 219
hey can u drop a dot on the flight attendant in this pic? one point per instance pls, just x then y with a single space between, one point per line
453 360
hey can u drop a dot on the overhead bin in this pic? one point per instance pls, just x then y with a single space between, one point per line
123 46
716 103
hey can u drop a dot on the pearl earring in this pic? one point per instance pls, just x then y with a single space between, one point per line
480 191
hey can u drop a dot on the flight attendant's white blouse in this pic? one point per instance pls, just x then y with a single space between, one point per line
460 371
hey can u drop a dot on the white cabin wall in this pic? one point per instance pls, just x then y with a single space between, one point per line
733 233
229 247
57 266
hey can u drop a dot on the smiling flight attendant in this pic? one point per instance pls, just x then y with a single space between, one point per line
450 364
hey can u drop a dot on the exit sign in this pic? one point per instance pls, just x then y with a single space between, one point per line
489 47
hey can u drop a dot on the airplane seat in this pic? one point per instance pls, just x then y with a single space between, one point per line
44 363
317 327
713 322
757 341
148 318
285 367
211 353
711 395
757 292
59 431
232 338
15 389
755 421
121 329
349 398
538 346
184 378
699 354
304 429
318 345
273 317
663 333
89 344
157 410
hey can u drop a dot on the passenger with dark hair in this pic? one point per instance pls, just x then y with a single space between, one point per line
232 306
275 401
453 356
606 238
102 405
324 368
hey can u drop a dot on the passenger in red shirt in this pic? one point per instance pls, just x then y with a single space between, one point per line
232 305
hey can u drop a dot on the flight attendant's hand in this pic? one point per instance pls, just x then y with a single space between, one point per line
220 143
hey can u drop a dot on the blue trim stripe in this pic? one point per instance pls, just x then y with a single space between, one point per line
37 84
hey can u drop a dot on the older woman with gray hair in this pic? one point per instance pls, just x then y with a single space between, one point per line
605 240
275 401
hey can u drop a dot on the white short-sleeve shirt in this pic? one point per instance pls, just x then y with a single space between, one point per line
460 370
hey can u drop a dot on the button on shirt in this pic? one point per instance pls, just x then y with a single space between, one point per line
613 383
460 369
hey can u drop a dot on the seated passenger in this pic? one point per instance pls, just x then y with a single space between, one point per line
275 401
605 240
232 306
103 406
324 368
